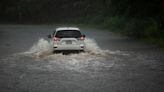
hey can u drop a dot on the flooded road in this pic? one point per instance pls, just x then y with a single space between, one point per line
111 63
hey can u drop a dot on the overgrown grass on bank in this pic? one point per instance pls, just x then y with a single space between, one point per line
146 29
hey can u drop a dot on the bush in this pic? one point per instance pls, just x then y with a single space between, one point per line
114 23
147 28
151 30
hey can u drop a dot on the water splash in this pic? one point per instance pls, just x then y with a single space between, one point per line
93 48
93 59
41 48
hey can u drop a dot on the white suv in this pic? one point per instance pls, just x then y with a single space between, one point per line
67 39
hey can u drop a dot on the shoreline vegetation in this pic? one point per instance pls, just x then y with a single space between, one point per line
146 30
140 19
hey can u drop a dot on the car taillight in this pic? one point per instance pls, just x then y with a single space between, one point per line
56 39
82 38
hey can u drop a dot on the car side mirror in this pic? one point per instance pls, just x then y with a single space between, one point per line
49 36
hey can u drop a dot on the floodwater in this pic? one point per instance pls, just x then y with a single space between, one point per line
111 63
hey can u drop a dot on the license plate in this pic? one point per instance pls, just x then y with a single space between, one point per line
68 42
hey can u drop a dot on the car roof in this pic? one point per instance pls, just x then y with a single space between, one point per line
67 28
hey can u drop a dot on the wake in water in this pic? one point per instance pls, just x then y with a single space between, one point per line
43 49
94 58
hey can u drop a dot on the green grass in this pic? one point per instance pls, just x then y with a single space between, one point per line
146 29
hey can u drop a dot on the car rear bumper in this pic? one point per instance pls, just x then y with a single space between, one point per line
69 47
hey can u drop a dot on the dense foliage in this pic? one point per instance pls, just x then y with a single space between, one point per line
137 18
57 10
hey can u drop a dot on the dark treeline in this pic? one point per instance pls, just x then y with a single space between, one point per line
137 18
44 10
57 10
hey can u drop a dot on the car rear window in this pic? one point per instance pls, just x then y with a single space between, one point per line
68 34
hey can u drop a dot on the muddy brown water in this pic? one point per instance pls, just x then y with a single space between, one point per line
111 63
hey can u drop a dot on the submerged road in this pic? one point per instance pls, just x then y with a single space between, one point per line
111 63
